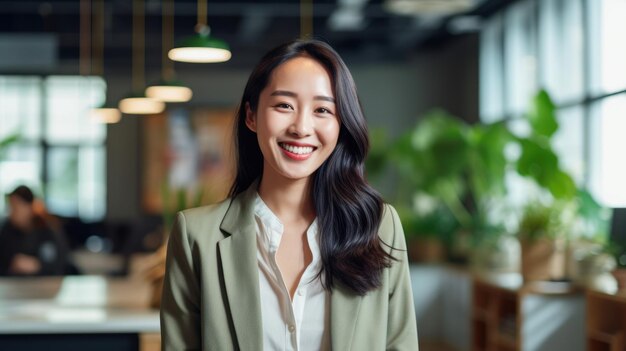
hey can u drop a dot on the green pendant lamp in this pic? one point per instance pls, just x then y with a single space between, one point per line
168 90
138 103
201 48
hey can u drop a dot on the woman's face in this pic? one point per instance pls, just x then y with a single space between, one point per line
296 119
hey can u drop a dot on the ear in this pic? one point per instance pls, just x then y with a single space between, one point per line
250 118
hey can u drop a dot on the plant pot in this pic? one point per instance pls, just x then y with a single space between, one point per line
543 259
497 256
594 272
425 249
461 247
620 277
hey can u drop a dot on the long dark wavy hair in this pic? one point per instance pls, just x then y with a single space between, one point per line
348 210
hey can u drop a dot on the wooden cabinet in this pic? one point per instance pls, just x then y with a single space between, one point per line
606 321
508 315
495 317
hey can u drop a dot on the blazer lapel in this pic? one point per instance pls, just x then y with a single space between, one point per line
238 255
344 311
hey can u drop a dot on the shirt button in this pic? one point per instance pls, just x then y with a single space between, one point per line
291 328
301 292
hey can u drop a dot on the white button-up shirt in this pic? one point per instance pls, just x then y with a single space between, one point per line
302 324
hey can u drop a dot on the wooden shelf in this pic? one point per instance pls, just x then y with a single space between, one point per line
606 322
495 317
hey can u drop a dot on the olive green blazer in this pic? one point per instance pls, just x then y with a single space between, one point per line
211 298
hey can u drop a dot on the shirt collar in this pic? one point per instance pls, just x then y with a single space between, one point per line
270 220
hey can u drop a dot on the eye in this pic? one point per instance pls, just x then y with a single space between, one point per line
283 106
324 110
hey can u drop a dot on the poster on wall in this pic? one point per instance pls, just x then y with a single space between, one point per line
188 158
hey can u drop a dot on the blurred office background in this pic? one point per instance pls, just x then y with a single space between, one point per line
545 78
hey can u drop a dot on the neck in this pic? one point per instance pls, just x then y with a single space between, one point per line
288 199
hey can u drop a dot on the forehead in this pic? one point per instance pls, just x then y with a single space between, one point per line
14 199
299 70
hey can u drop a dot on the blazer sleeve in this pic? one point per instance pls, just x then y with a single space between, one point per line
180 301
401 326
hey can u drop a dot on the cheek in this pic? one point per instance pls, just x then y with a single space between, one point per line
269 125
330 132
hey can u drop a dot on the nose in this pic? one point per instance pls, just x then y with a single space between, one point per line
302 124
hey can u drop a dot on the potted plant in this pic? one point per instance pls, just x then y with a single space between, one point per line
426 189
464 168
427 225
542 239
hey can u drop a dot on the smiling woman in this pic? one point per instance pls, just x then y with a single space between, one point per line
304 254
295 119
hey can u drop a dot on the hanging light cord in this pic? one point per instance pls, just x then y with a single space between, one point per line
167 39
138 46
98 39
306 19
85 35
202 26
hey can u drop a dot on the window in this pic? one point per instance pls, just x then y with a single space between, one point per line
519 57
61 153
608 169
491 84
607 50
561 49
575 49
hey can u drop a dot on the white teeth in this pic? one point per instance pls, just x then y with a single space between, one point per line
300 150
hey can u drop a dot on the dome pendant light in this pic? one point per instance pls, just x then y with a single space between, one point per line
138 103
201 48
141 105
168 90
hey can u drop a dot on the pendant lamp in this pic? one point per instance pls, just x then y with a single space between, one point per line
106 113
139 103
201 48
428 7
168 90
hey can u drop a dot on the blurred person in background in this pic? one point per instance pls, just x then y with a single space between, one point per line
31 240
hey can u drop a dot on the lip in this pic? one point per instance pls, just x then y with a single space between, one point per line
293 156
295 143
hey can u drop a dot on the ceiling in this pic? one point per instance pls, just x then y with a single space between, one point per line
359 29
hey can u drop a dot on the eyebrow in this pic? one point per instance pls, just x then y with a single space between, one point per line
294 95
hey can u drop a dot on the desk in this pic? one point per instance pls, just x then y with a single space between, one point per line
75 313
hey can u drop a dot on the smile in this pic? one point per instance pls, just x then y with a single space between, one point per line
298 150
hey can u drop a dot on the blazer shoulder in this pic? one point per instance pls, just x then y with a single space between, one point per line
203 219
389 225
207 210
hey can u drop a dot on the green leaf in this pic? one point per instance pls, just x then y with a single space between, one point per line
561 185
537 161
487 160
9 140
542 117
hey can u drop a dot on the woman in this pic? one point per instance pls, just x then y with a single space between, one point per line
303 255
